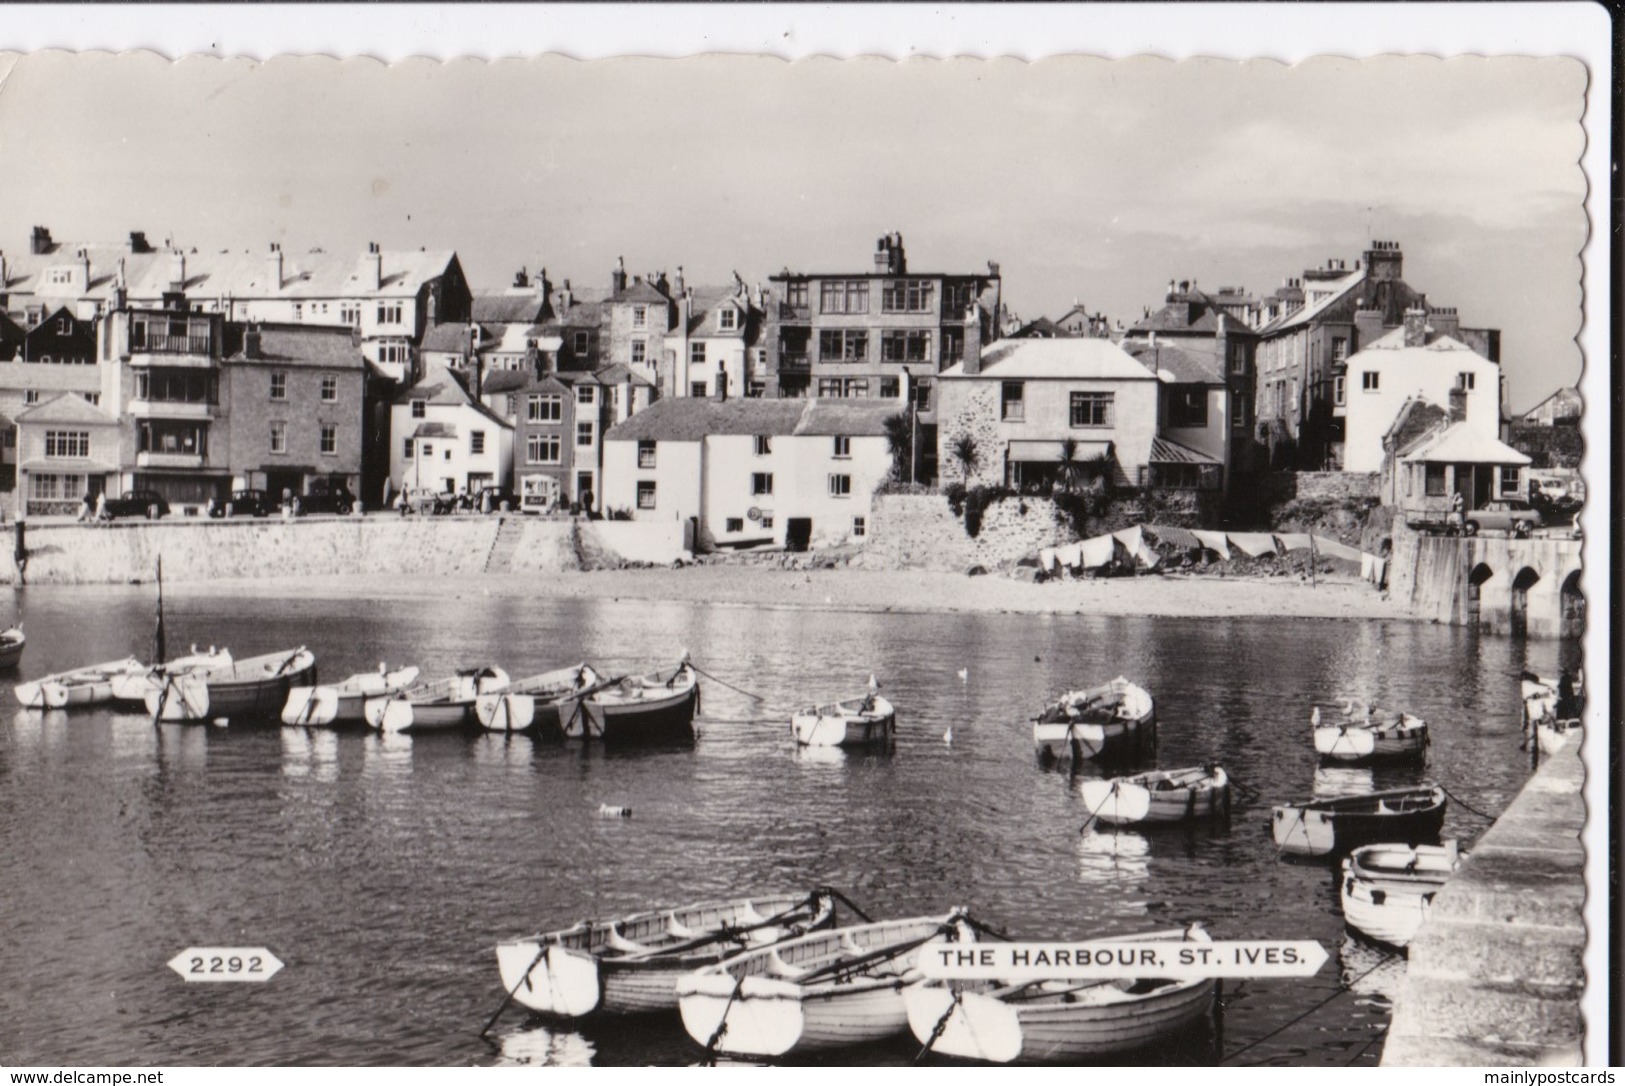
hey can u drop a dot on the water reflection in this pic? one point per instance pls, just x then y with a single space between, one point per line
133 736
1115 858
1372 973
183 746
545 1046
386 754
1332 781
504 749
821 757
310 752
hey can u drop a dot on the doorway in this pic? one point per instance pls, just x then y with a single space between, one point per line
1521 584
798 533
1475 590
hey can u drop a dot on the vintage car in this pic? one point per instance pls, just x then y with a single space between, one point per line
138 503
421 499
244 503
324 496
1503 514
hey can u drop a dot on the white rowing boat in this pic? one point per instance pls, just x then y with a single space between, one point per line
864 721
1059 1020
542 702
255 687
821 991
1371 738
1387 890
12 643
87 685
342 703
444 703
630 964
133 687
1161 797
657 707
1117 719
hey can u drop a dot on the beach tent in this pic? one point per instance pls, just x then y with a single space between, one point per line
1133 541
1098 551
1333 549
1213 541
1253 544
1293 541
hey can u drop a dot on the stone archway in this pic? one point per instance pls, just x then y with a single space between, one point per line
1572 620
1475 591
1519 617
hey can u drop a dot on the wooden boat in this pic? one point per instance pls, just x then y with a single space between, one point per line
865 721
542 702
257 686
1545 713
1553 735
630 964
1057 1021
12 642
444 703
821 991
87 685
134 686
1103 722
657 707
1326 827
342 703
1387 890
1161 797
1372 738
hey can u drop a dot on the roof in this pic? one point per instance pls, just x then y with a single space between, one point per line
1567 396
640 291
1394 341
1080 358
1164 451
503 381
309 345
527 307
1415 417
1175 364
1307 313
434 429
68 407
691 418
1461 443
707 301
619 373
444 387
450 337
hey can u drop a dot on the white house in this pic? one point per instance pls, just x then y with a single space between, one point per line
1386 373
66 448
793 473
714 346
443 438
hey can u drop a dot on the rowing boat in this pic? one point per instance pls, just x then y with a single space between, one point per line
657 707
1325 827
1102 722
864 721
342 703
542 702
821 991
631 964
1387 890
255 687
1161 797
1374 738
1057 1020
134 686
87 685
444 703
1552 718
12 642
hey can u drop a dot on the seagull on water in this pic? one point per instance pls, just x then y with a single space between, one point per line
948 736
964 674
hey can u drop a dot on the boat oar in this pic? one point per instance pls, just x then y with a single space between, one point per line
725 933
844 965
523 978
848 902
284 665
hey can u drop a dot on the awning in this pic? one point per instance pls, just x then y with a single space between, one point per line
66 467
1174 536
1021 451
1164 451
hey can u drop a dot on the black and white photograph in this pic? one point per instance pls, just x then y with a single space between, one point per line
751 553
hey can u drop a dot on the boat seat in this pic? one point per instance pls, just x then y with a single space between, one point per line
778 967
678 928
616 941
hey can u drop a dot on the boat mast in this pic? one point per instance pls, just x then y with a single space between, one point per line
158 630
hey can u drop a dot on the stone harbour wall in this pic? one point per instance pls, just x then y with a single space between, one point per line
1320 485
920 531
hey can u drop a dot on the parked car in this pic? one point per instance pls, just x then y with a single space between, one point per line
421 499
244 503
1504 514
496 499
324 496
138 503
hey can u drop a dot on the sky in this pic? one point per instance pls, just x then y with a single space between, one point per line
1086 179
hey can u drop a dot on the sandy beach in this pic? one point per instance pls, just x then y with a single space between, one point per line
866 590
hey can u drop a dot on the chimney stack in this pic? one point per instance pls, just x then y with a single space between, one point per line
177 270
39 242
138 242
617 277
274 265
251 342
2 271
373 268
1416 320
679 283
1384 261
722 383
1367 326
1458 404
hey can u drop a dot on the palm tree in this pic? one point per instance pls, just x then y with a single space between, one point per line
900 443
1071 470
966 453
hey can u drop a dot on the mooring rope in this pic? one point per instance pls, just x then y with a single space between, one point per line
942 1024
1462 803
1092 814
722 1024
524 978
848 902
1387 957
738 690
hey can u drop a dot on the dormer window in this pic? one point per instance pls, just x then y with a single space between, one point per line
728 319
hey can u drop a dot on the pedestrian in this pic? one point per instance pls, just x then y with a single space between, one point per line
1456 505
102 516
86 508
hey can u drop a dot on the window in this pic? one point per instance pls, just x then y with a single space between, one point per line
394 353
956 299
544 408
47 487
1187 406
640 351
1340 391
584 394
31 395
860 527
890 388
646 454
1092 408
905 347
279 437
543 449
640 316
1238 358
1435 480
953 345
406 448
581 344
922 395
696 353
843 447
840 486
349 314
1510 478
1183 476
583 433
476 442
728 318
420 408
389 312
1464 381
62 326
330 389
696 389
1370 381
734 524
1013 400
329 440
94 399
1340 348
761 482
907 296
844 296
767 522
838 388
279 386
795 295
428 450
298 310
67 444
764 445
835 345
646 494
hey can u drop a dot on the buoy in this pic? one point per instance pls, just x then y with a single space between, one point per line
219 722
606 811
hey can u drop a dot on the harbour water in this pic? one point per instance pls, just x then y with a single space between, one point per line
383 870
